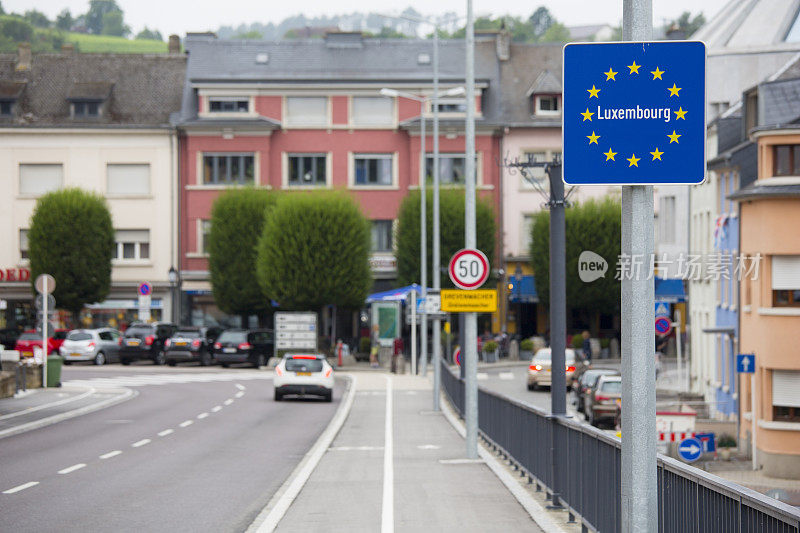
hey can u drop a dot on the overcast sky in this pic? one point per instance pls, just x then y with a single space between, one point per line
180 17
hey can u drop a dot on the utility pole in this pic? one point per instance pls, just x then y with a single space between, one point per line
639 474
436 258
423 245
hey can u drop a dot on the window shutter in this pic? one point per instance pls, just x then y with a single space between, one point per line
786 388
785 272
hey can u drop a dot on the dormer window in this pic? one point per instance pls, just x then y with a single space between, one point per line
6 108
546 104
452 105
10 92
545 95
87 99
88 109
229 105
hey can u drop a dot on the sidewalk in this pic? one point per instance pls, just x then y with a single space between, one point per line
41 407
401 468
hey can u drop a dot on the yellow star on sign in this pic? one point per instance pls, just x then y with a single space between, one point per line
634 68
587 115
610 74
657 73
674 137
657 154
593 138
610 154
673 91
679 114
634 161
593 92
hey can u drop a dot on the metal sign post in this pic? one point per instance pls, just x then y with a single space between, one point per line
746 364
413 304
45 284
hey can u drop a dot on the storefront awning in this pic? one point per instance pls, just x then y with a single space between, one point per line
394 295
669 290
525 292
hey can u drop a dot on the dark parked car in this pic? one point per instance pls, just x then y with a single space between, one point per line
254 346
145 341
191 344
604 402
586 382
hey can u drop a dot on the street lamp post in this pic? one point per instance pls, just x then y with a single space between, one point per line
517 282
172 276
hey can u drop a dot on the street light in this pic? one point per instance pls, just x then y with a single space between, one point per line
172 276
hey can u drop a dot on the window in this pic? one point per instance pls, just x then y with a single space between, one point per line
229 105
373 169
527 235
307 169
307 111
382 235
786 395
786 281
228 169
205 230
85 109
546 104
127 179
787 160
452 105
666 217
132 245
6 108
451 168
23 244
372 110
36 179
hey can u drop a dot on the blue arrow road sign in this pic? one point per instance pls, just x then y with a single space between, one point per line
690 449
634 113
745 363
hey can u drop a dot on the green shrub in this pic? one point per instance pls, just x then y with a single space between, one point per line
526 345
726 441
577 341
605 343
364 344
489 346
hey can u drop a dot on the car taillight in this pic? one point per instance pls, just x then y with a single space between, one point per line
245 346
535 368
167 342
278 371
149 340
328 373
91 346
601 398
196 343
120 341
570 369
218 345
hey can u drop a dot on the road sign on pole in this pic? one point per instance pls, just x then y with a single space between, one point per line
45 284
690 449
662 309
745 363
469 268
663 325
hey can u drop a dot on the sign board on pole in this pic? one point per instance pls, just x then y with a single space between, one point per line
662 309
708 441
478 301
296 331
45 283
469 269
634 113
746 363
457 355
663 325
145 289
690 449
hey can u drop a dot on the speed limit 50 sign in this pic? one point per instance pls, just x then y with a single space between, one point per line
469 269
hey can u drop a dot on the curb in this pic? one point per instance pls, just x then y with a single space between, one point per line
50 420
269 517
534 509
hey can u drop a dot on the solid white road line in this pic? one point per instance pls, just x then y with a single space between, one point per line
387 513
109 455
165 432
240 394
354 448
140 443
216 409
506 375
202 416
48 405
21 487
228 401
240 387
186 423
72 468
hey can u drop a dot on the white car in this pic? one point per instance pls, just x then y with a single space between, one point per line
303 374
100 346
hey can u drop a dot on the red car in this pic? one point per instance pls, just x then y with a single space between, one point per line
30 339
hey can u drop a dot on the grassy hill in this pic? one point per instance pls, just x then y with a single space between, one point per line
116 45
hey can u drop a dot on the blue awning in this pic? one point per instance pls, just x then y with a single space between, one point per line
394 295
669 290
525 293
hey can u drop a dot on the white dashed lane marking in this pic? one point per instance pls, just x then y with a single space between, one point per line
109 455
21 487
140 443
216 409
239 394
228 401
482 376
72 468
165 432
186 423
202 416
506 375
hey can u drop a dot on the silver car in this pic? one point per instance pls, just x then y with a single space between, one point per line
97 345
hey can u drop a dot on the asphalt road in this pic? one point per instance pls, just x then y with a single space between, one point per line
195 455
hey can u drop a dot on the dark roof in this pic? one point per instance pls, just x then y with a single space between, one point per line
140 90
779 102
758 190
529 64
11 89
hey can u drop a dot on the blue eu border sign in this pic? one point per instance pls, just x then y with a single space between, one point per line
634 113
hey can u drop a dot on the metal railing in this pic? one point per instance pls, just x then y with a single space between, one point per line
689 499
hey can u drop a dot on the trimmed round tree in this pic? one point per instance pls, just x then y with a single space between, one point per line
314 250
451 224
72 238
237 221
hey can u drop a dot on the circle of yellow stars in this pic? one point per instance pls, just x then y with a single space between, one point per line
633 69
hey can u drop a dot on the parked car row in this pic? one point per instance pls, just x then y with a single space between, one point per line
159 342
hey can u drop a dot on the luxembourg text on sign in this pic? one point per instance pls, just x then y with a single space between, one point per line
634 113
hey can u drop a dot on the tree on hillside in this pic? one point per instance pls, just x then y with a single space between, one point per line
72 238
540 21
64 20
114 24
451 223
593 225
37 18
252 34
153 35
15 30
314 251
95 17
556 33
237 220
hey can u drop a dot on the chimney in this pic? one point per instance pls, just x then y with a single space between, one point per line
174 46
24 59
68 48
503 44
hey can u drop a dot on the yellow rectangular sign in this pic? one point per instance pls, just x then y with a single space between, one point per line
477 301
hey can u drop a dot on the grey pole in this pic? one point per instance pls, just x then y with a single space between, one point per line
436 259
470 348
423 249
639 475
558 319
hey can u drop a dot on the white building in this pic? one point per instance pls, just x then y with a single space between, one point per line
102 123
